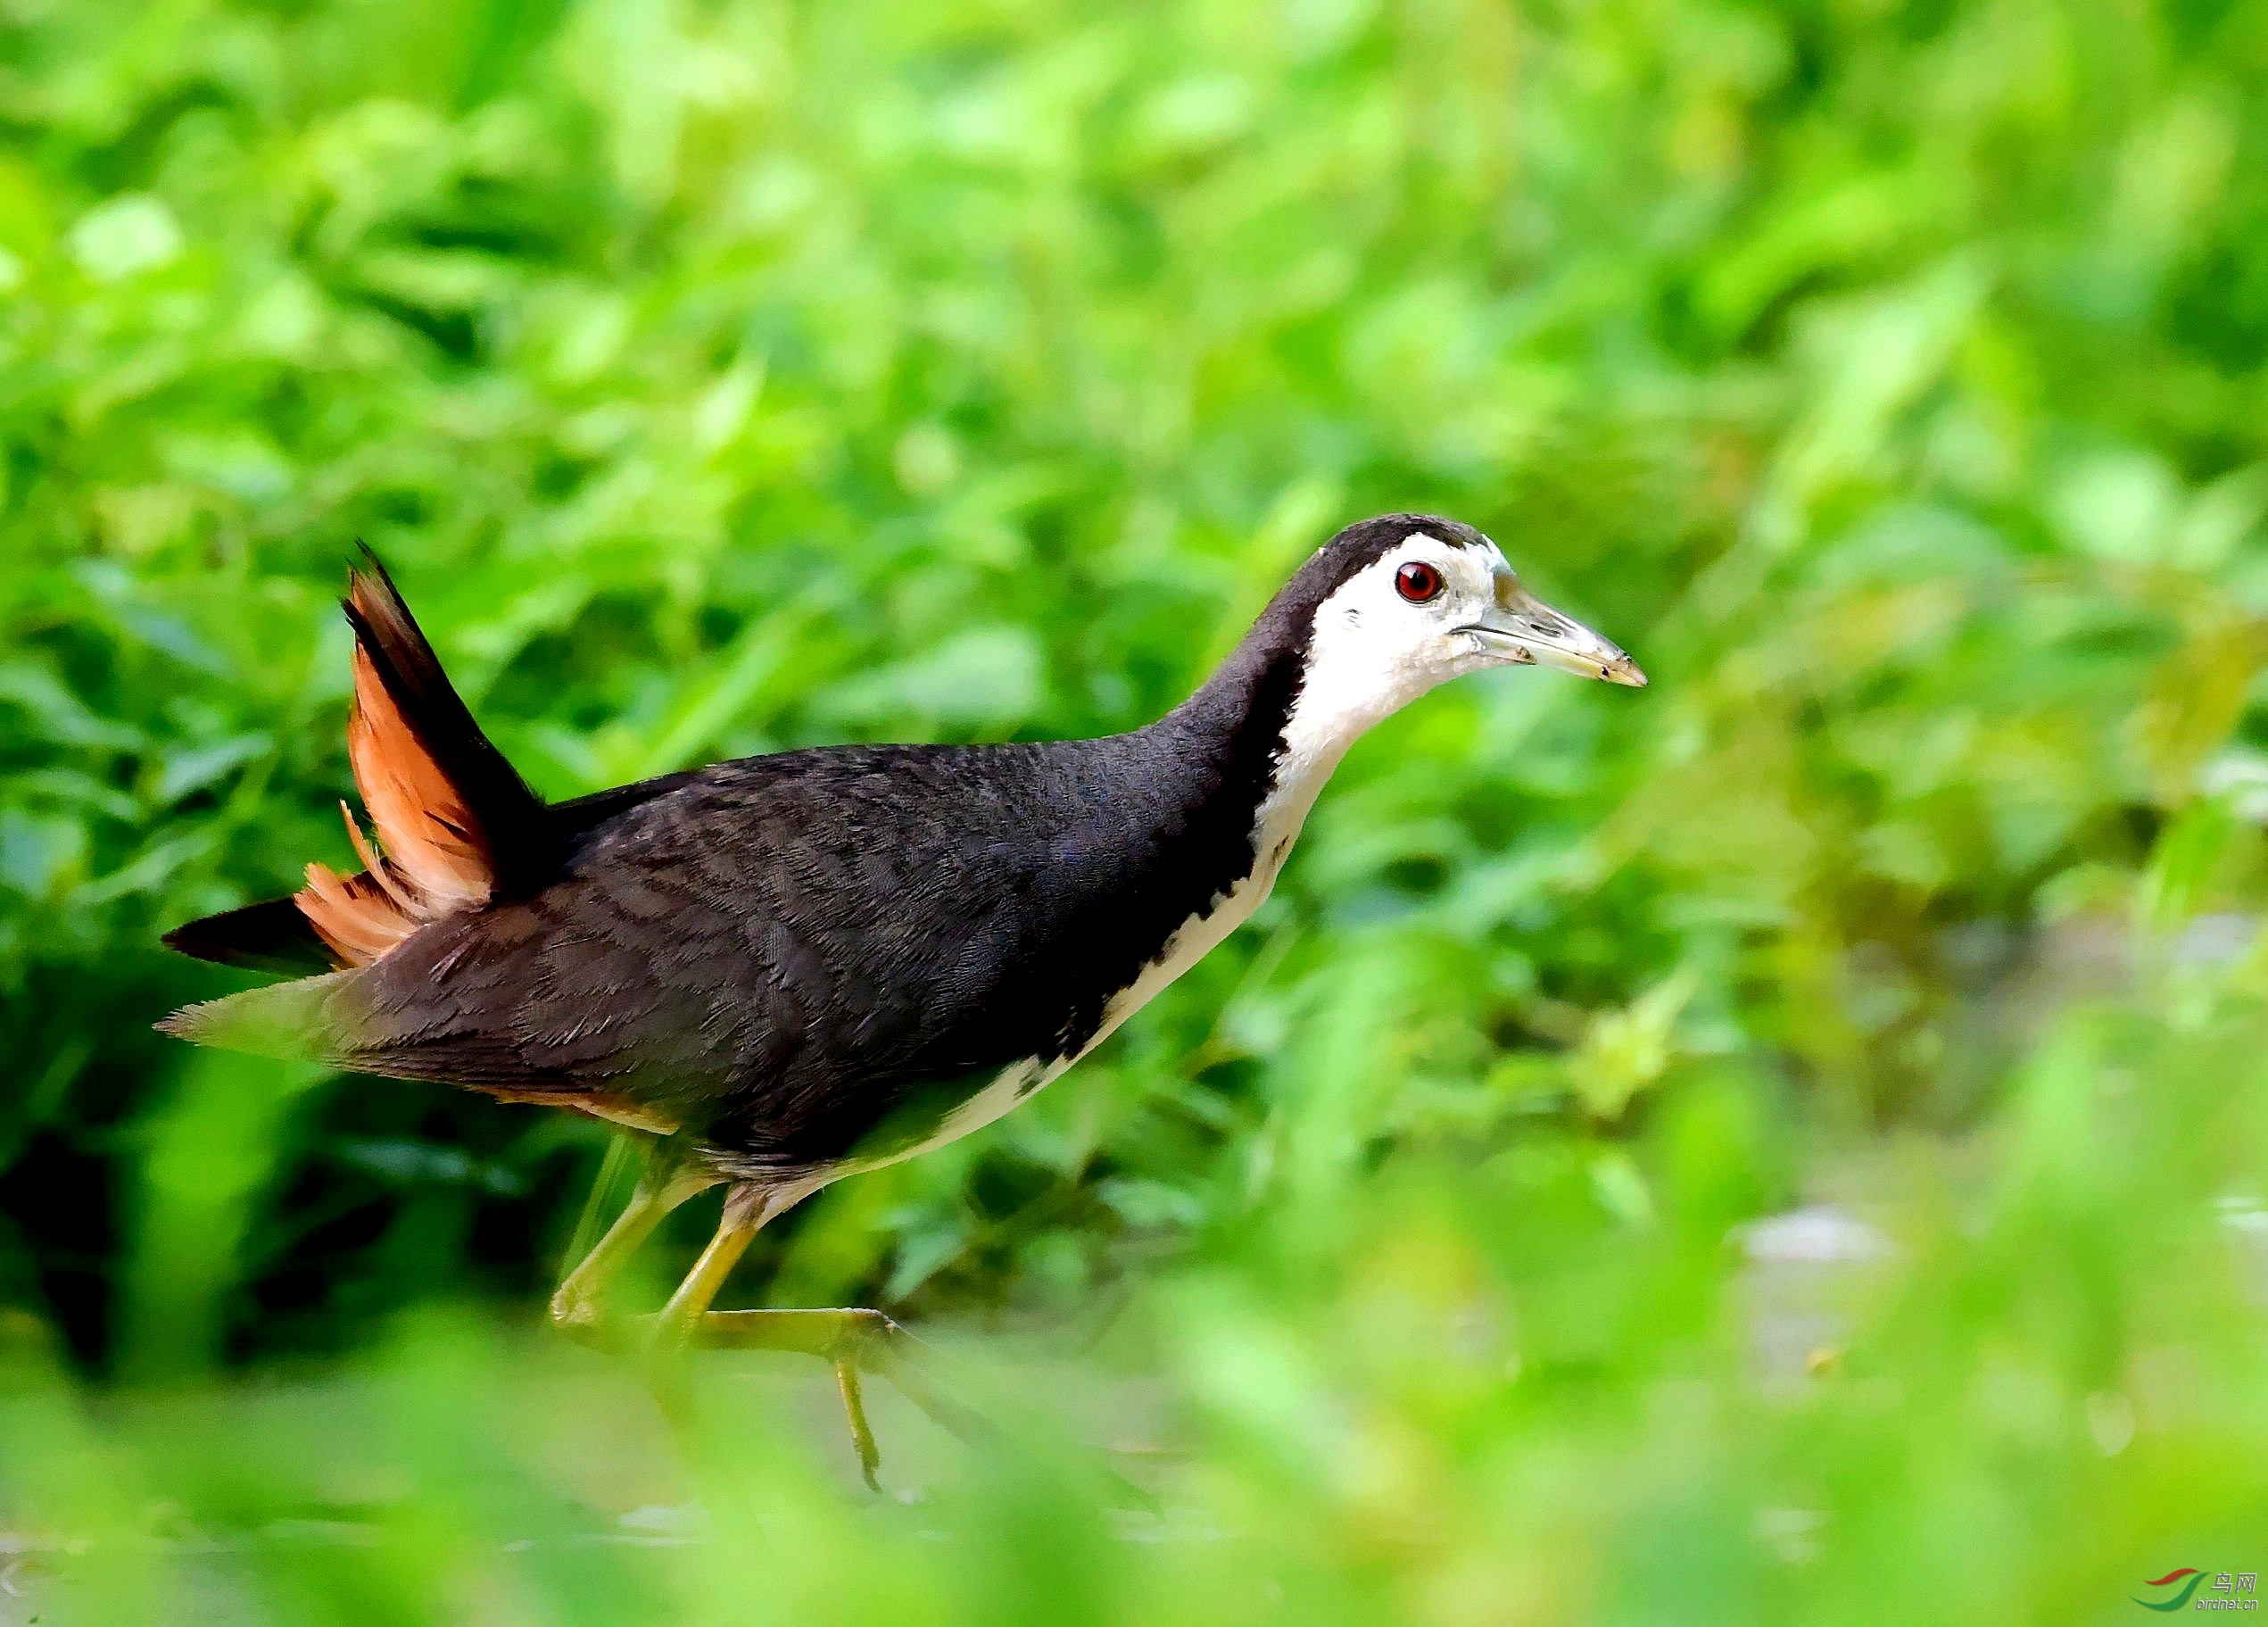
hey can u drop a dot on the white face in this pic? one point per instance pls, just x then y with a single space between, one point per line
1426 612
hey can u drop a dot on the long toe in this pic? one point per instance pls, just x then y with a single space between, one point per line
862 1433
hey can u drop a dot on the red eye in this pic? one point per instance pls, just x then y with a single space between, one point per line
1418 582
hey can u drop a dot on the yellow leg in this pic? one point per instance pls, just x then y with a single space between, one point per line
746 1209
575 1306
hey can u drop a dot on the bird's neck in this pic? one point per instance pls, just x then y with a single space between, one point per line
1259 739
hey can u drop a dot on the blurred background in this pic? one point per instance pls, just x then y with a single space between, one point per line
1788 1145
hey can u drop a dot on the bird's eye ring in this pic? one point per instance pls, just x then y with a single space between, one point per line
1418 582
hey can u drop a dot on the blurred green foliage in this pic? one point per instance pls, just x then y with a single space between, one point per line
1892 379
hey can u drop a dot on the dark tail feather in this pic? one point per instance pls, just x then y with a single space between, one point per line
273 936
509 816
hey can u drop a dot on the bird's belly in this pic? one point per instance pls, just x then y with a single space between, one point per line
1196 938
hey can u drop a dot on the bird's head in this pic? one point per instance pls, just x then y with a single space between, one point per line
1391 607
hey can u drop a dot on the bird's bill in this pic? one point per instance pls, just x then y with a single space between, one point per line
1522 629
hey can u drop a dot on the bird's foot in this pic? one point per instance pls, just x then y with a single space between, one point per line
853 1341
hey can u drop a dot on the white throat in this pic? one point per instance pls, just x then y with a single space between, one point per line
1352 679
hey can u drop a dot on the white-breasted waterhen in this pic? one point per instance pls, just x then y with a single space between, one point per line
786 970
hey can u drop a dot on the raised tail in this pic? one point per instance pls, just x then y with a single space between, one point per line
456 824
